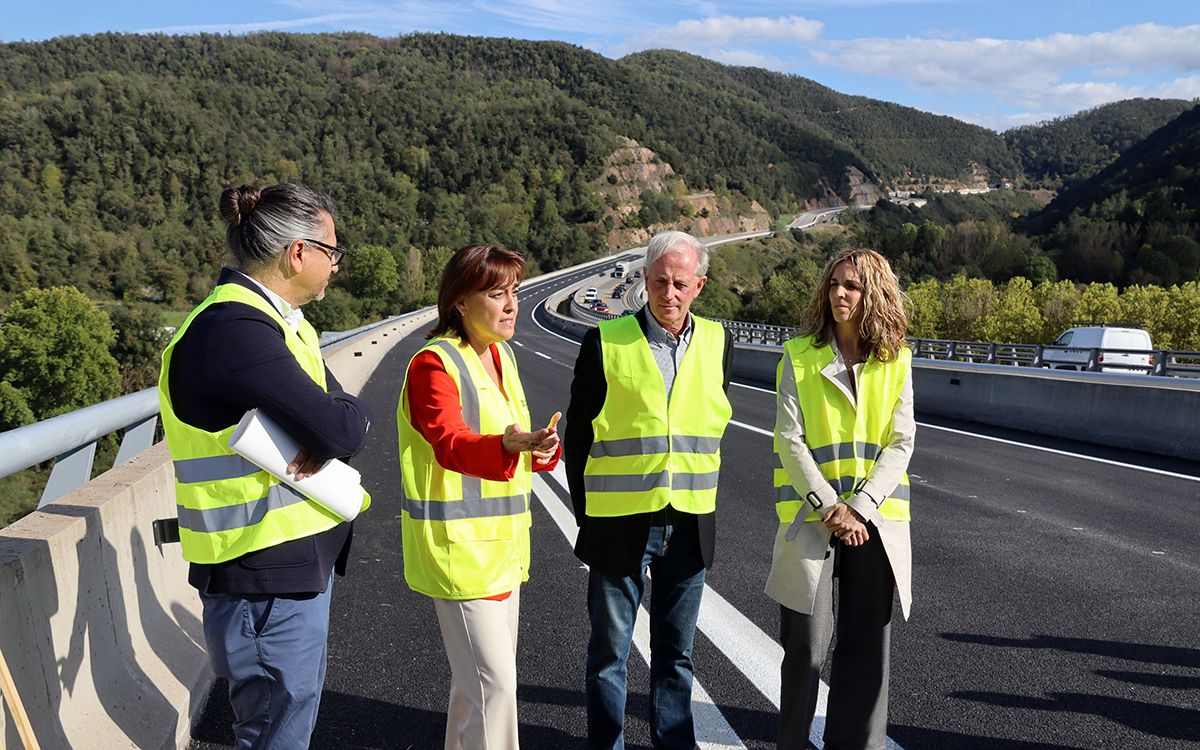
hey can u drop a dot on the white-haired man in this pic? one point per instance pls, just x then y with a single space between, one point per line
642 447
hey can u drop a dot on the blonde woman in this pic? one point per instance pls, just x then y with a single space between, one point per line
844 433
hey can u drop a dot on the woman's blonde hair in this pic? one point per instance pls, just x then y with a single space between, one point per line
884 321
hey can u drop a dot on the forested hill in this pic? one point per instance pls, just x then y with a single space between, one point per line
1136 221
892 139
1071 149
113 148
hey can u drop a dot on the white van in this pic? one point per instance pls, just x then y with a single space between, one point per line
590 294
1078 343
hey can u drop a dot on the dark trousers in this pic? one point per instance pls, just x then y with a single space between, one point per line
858 684
673 557
272 651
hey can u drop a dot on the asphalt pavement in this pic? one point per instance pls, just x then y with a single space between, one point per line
1056 591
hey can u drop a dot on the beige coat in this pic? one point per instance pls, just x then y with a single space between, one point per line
797 563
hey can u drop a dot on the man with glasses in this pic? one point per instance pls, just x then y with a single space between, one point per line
262 555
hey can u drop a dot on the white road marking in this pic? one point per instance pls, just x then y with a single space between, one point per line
752 387
1017 443
1062 452
544 328
518 343
543 356
752 428
755 654
712 729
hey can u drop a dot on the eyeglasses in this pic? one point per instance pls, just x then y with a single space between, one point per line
336 254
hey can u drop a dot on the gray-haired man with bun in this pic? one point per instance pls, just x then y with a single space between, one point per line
262 555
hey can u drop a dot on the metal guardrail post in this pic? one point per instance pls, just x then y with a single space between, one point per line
71 469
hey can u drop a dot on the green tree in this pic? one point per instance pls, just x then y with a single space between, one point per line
14 410
54 350
414 277
138 344
964 303
336 312
373 273
1015 316
170 280
1182 314
1057 302
1146 307
925 320
1099 304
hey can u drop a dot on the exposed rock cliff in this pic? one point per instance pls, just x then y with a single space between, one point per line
633 169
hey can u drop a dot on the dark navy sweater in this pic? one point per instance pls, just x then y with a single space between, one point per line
233 358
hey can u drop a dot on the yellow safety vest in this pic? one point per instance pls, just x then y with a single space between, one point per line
227 506
648 453
845 443
465 537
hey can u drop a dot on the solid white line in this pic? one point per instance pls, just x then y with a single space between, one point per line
544 328
543 356
712 729
752 387
1097 459
1062 453
752 428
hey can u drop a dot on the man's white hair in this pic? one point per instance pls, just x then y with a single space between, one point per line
674 241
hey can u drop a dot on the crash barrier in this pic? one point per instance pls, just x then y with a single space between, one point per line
1129 411
1162 362
98 627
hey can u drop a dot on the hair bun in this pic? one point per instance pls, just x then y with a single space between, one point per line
238 203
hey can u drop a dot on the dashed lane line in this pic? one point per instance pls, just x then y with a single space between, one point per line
543 356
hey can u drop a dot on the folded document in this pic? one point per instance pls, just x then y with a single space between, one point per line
336 487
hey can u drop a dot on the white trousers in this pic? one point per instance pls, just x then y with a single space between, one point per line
481 644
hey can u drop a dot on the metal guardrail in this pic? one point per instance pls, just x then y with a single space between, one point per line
71 438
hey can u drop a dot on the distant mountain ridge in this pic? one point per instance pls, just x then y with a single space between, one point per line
113 147
1070 149
1163 169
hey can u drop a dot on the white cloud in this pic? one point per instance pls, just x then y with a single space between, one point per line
278 25
712 36
748 58
1047 76
964 65
597 16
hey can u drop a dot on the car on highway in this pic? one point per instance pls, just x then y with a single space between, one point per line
616 293
1120 350
601 307
590 294
629 279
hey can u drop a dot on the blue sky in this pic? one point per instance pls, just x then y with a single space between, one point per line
998 63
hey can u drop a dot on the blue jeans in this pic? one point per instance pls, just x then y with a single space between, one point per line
272 651
677 569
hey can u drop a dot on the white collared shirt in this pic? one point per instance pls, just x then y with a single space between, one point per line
291 315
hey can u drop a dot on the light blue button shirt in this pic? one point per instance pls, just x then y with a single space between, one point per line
667 349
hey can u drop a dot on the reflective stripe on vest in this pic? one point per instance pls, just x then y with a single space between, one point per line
649 451
465 537
845 443
227 506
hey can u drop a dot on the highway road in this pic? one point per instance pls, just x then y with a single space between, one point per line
1055 595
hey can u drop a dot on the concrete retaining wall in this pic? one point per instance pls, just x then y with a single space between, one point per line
99 628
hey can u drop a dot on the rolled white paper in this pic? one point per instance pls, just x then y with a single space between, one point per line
337 487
